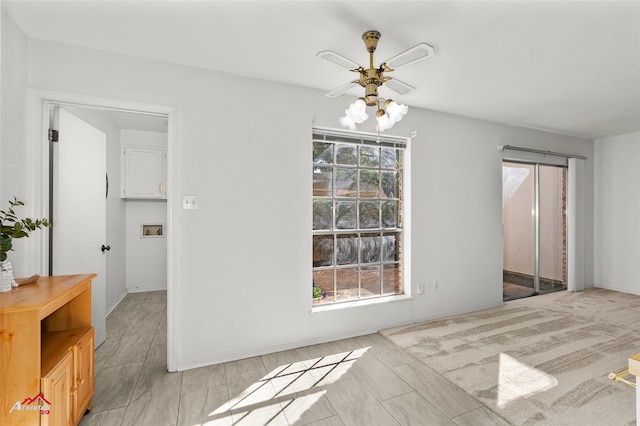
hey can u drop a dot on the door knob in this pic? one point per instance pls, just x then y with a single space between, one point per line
105 248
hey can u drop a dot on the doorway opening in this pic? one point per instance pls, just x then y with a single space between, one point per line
98 228
534 204
112 110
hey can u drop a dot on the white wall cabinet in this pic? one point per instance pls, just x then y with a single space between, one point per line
143 172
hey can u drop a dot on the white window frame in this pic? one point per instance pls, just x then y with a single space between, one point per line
360 138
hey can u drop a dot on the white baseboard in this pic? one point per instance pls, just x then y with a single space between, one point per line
212 360
621 290
145 289
270 349
132 290
122 296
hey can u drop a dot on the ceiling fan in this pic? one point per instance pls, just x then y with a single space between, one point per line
371 78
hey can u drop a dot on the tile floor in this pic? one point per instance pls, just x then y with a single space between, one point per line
361 381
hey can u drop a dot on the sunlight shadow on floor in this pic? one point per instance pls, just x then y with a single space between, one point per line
517 380
295 387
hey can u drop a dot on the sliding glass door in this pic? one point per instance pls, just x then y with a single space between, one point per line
553 228
534 229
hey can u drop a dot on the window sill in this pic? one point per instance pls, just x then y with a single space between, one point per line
361 303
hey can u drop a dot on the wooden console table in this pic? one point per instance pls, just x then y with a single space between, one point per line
46 351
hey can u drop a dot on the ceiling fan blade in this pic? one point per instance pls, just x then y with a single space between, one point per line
342 89
399 86
416 53
331 56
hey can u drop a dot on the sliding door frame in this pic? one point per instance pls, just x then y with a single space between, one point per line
536 219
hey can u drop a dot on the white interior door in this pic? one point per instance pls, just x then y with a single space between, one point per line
79 208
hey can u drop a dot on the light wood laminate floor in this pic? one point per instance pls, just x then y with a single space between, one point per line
364 381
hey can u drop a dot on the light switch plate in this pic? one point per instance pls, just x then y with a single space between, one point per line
190 202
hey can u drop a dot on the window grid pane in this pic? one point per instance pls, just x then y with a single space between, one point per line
357 221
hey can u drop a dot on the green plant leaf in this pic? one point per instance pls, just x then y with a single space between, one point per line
12 227
5 244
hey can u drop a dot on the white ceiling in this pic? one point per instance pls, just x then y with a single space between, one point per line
566 66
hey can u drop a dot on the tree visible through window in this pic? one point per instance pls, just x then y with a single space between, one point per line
357 216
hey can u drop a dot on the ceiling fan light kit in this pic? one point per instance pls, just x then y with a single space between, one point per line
388 112
355 114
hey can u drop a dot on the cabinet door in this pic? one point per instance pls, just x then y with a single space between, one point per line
57 389
143 172
83 374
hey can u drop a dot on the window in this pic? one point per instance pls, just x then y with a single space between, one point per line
357 216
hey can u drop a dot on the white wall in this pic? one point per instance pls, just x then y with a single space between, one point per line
617 213
13 104
243 258
146 257
13 156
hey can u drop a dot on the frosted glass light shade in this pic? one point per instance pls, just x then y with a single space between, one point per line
395 110
384 122
357 111
355 114
347 122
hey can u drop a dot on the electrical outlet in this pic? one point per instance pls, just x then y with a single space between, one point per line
421 288
436 286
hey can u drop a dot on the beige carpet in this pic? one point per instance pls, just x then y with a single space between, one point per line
543 360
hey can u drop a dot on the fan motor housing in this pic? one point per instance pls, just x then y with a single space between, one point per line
370 79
